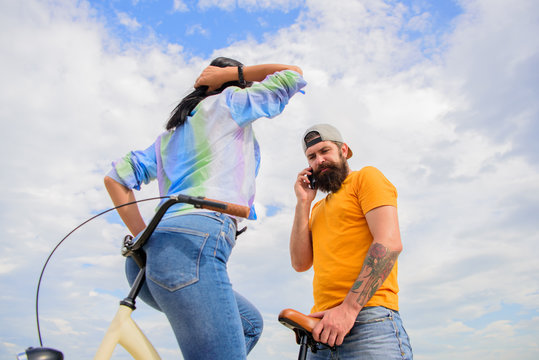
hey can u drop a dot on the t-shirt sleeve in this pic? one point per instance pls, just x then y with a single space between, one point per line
267 98
136 168
375 190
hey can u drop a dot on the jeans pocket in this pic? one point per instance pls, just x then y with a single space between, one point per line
173 257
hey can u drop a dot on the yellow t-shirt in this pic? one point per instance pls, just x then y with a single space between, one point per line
341 239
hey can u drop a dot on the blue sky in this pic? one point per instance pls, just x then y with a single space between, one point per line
201 29
439 95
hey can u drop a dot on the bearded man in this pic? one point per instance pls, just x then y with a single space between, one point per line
351 238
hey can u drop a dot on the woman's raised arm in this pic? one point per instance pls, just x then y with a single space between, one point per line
214 76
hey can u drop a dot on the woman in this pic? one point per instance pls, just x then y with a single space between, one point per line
209 149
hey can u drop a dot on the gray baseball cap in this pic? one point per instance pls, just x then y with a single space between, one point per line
327 133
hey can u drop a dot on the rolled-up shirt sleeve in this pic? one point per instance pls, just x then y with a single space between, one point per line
267 98
136 168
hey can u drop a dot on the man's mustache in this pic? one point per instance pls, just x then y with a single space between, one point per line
326 167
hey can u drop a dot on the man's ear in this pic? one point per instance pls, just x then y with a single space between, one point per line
344 150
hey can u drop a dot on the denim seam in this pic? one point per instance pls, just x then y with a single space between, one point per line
231 232
396 328
225 235
396 332
211 214
182 230
228 313
253 336
371 321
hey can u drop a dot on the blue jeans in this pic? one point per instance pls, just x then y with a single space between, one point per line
378 334
187 279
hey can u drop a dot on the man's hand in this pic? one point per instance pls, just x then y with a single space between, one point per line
336 323
301 187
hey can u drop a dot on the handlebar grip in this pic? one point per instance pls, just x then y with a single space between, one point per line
231 209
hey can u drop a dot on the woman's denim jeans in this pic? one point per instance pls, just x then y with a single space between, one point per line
378 334
186 278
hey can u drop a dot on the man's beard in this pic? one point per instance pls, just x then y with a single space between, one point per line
330 181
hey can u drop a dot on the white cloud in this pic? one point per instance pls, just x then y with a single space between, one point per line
130 23
197 29
453 131
283 5
490 67
180 5
227 5
251 5
419 22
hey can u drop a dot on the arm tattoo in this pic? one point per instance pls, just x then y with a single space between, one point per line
376 268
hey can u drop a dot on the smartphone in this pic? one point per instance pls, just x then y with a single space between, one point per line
312 180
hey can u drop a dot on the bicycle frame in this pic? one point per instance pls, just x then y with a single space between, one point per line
123 330
303 326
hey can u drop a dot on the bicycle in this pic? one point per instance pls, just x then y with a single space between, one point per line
303 326
123 330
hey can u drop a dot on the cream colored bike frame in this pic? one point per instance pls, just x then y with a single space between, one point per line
124 331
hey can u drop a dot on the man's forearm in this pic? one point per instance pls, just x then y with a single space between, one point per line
301 251
376 268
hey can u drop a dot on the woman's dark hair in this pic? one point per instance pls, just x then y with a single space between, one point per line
188 103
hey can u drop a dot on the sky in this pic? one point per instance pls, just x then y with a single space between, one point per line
440 96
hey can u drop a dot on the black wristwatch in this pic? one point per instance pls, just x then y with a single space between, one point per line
240 76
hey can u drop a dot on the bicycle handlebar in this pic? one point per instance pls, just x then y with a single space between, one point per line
221 206
201 202
198 201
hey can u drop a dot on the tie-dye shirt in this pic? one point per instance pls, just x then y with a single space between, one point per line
214 153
